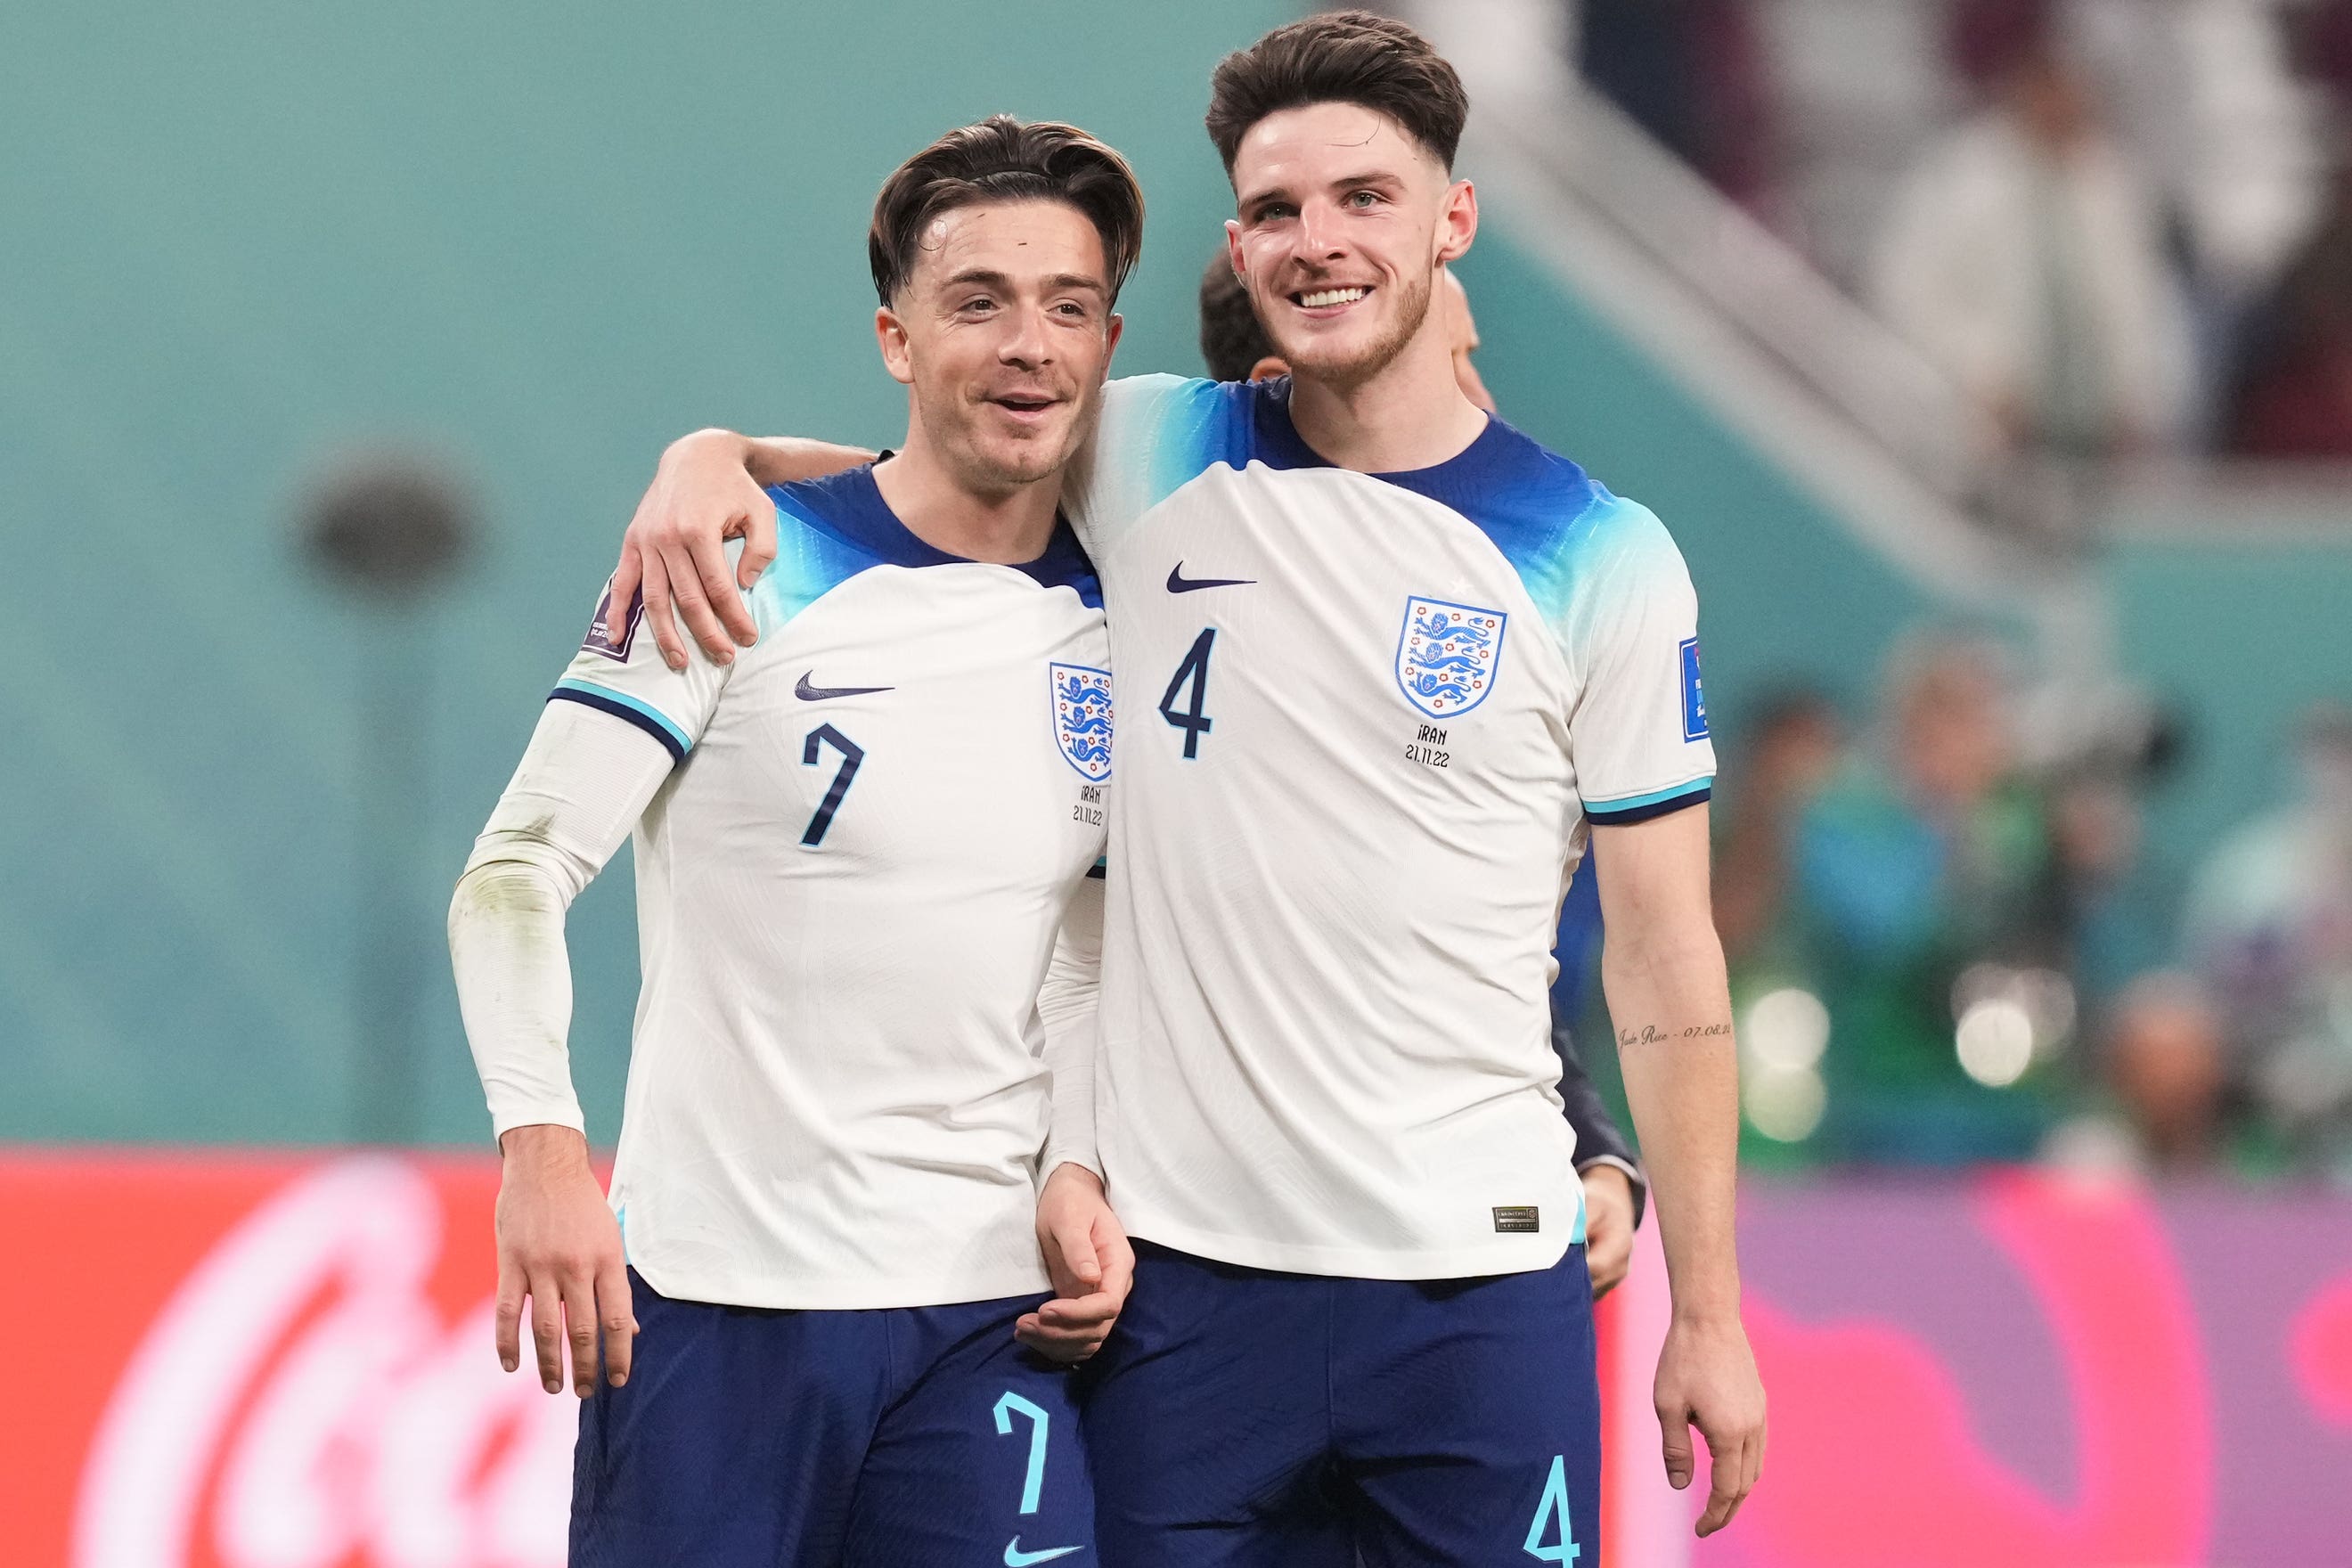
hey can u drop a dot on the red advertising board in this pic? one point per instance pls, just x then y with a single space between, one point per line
285 1361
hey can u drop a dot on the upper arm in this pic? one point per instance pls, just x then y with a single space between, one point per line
1653 879
1638 734
582 783
621 674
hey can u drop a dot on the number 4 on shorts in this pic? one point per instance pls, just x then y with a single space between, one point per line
1555 1501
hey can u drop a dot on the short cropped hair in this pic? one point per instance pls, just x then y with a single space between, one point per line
1341 57
1003 159
1232 341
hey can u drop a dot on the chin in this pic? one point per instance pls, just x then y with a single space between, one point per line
1022 462
1355 356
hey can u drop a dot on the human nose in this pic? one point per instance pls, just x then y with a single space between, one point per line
1027 341
1318 232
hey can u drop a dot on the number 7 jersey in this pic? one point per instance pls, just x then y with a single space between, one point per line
1364 721
848 890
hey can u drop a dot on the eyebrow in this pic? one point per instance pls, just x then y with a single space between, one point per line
1058 282
1348 181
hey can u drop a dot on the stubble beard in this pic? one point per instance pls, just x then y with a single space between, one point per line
1346 374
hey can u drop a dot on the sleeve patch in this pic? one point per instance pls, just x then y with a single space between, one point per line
601 639
1694 694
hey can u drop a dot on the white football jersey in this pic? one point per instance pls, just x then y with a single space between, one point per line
847 893
1364 721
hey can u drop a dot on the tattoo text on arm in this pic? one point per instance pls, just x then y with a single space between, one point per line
1651 1035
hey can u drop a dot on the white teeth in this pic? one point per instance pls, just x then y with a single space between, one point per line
1315 301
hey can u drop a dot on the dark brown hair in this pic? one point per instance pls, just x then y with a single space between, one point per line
1232 341
1001 159
1340 57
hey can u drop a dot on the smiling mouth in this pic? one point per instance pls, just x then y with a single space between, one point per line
1023 404
1319 299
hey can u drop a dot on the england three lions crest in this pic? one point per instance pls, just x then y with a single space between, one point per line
1082 718
1448 655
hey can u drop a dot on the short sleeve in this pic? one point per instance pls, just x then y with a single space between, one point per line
619 671
1638 735
1155 433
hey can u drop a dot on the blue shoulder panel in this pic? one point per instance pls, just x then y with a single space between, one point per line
1537 506
1202 424
830 529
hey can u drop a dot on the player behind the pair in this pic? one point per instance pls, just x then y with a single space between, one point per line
1388 664
1235 348
855 848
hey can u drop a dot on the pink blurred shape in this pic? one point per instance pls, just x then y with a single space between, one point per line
2319 1347
1873 1460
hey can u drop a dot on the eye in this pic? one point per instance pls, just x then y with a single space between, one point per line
1274 212
1361 199
979 304
1071 309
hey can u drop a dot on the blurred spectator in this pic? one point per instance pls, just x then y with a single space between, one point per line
1792 752
2164 1066
2162 1088
2205 96
1691 72
2269 924
1922 869
2294 397
2025 257
2105 909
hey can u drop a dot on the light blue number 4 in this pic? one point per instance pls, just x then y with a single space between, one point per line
1038 1422
1555 1500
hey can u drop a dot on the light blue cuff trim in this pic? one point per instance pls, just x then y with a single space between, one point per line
634 705
1655 798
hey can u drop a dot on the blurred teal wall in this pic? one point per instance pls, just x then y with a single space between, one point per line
538 241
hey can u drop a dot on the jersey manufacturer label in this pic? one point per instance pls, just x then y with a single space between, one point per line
1082 718
1447 655
1694 695
1517 1218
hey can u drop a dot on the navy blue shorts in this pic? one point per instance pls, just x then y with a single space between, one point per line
1243 1418
807 1439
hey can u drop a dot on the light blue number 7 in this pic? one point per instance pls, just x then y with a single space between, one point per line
1555 1500
1038 1423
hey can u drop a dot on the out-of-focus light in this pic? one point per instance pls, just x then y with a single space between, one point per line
1784 1103
1995 1040
1787 1029
2048 998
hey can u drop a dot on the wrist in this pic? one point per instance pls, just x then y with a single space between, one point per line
544 1148
1070 1170
713 444
1710 1312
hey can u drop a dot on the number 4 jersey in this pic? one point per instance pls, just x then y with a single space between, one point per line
849 885
1364 721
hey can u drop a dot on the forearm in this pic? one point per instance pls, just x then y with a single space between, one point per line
786 459
1672 1008
514 988
1066 1009
580 788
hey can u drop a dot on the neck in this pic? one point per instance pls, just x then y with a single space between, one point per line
941 506
1409 413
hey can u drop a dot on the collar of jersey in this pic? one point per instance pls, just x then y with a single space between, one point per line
1504 481
849 506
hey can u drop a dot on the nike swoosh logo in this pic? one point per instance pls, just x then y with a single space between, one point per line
808 693
1016 1558
1180 583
